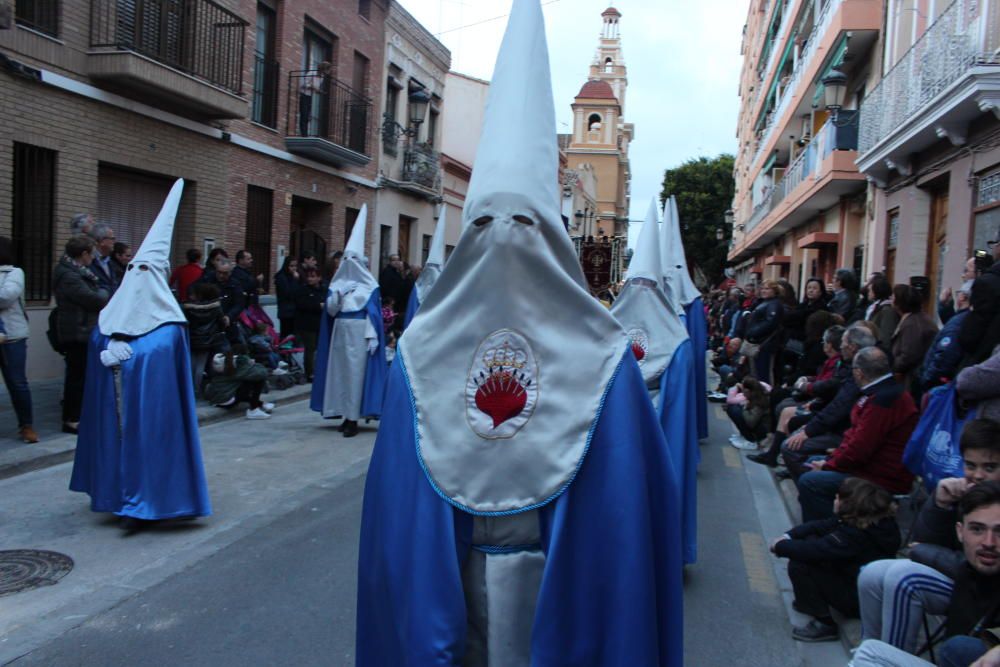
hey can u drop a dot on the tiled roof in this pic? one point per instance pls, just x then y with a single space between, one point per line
597 89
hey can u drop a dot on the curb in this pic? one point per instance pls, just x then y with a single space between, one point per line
64 451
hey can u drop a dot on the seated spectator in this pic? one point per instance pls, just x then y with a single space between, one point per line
236 378
186 275
309 301
731 365
261 346
881 311
825 556
749 411
895 594
979 385
945 354
913 335
972 620
882 421
817 432
206 328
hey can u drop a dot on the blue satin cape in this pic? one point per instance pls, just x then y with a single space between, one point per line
676 410
376 370
412 306
154 470
698 331
611 592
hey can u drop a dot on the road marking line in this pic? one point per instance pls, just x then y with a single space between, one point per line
760 574
731 456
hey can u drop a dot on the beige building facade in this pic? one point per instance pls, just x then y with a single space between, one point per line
800 200
930 130
410 166
599 143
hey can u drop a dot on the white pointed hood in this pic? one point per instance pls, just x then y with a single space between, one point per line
435 258
686 289
671 289
354 268
509 357
642 308
144 301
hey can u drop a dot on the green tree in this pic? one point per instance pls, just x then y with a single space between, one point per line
704 189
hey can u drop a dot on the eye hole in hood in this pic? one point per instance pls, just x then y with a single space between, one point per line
483 220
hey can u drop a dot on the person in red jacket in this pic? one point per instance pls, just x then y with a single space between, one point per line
185 276
882 421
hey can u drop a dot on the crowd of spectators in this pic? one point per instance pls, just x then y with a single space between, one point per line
828 391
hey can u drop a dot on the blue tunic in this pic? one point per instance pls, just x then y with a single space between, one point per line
611 589
151 468
376 370
698 331
412 306
678 417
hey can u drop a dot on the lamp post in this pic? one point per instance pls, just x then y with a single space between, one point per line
419 100
834 92
586 218
728 218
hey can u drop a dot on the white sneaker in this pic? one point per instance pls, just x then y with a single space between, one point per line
267 407
279 371
282 365
742 443
257 413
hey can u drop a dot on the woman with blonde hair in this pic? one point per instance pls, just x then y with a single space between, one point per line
763 334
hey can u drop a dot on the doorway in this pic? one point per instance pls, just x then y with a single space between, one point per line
310 221
937 244
405 224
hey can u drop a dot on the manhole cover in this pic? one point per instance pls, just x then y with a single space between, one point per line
24 569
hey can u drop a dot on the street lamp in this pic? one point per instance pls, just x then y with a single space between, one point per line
720 231
834 91
585 217
419 100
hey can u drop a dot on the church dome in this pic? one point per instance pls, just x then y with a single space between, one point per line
611 11
597 90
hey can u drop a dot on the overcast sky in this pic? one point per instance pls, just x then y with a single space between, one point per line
683 69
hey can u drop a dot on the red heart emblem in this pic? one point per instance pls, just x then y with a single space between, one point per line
502 397
637 350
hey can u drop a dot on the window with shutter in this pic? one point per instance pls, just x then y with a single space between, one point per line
33 215
260 206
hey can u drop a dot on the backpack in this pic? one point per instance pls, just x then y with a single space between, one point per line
52 333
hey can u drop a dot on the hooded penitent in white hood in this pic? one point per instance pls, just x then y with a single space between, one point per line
682 286
643 309
353 269
435 258
509 357
144 301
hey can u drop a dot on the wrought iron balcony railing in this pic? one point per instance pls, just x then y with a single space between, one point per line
948 49
422 165
842 135
325 108
198 37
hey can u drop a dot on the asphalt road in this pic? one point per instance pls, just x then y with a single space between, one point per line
284 593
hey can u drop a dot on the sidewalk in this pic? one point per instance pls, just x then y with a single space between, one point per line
56 447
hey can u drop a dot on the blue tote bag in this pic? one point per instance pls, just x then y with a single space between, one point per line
932 452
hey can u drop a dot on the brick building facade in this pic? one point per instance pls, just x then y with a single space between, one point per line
209 92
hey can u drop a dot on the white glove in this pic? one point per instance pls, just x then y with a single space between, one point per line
372 345
121 350
109 359
801 383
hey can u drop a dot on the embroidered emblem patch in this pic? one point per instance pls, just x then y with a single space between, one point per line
502 388
640 344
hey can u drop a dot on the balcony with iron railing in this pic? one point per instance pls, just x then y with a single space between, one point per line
815 180
328 120
948 78
862 19
184 55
